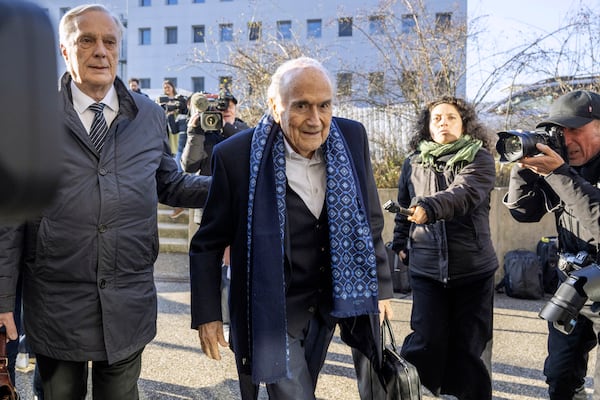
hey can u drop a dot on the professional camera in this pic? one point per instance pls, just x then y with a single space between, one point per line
583 283
514 145
169 104
209 107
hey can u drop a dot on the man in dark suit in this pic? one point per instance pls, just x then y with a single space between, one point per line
296 200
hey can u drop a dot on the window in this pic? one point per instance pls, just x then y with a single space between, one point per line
443 21
198 33
171 2
313 28
376 84
145 3
409 23
144 36
197 1
284 30
345 27
226 32
225 83
145 83
254 30
344 84
376 24
198 83
171 35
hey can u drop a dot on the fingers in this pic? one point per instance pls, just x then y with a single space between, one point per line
7 320
385 310
211 336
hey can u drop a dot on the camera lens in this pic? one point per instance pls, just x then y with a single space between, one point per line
210 120
513 145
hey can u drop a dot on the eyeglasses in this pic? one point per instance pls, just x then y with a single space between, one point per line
87 42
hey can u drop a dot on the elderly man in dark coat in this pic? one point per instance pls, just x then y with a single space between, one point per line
89 291
296 200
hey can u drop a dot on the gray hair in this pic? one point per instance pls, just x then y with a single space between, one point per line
66 28
296 63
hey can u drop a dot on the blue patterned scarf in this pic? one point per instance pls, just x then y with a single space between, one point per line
353 264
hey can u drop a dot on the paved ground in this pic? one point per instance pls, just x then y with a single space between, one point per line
174 367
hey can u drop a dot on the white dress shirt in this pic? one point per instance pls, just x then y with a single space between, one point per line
307 177
82 101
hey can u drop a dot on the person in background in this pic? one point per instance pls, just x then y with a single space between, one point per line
176 109
569 188
88 284
296 200
134 85
196 157
446 181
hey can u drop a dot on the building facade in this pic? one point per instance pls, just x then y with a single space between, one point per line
190 41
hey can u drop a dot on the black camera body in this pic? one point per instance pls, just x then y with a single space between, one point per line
516 144
169 104
582 283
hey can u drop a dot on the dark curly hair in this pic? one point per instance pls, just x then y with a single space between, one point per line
471 124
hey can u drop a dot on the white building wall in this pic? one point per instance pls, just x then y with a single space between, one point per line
158 60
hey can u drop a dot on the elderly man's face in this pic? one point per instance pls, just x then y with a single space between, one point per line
582 143
92 53
303 109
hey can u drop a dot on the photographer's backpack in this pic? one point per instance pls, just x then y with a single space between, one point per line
547 252
522 275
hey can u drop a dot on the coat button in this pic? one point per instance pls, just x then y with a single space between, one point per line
102 283
311 309
102 228
103 171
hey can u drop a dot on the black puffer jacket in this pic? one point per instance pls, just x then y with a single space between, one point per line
456 242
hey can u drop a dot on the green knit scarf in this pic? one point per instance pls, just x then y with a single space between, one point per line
464 149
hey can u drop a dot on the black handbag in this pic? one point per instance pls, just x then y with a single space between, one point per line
399 378
7 389
396 379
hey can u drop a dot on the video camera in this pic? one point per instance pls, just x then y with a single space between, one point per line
583 283
169 104
516 144
210 107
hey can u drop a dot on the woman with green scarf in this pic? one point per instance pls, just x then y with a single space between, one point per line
446 181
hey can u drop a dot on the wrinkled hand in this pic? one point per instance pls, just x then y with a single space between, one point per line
385 310
419 215
8 320
211 336
544 163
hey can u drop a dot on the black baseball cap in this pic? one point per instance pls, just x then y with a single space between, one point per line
574 109
229 96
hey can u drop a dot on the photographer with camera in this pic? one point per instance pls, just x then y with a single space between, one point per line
545 182
176 110
213 119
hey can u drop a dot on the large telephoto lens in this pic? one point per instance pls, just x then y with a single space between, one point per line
514 145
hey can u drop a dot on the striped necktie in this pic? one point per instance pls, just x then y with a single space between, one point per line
99 127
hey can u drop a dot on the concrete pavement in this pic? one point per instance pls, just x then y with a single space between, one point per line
174 367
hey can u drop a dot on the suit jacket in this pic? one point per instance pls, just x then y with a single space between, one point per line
224 223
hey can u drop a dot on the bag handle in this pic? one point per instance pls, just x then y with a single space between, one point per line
387 333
